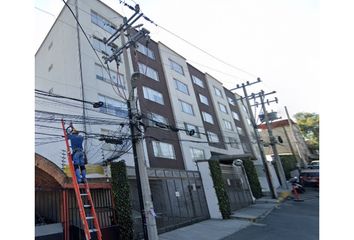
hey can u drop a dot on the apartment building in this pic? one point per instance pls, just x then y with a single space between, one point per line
174 98
66 65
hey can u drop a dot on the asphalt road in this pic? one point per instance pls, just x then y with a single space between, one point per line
291 221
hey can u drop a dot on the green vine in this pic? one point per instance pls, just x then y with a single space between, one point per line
122 201
253 178
223 198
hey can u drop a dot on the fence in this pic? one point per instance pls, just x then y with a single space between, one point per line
178 197
236 186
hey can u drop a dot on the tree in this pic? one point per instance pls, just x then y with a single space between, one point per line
309 124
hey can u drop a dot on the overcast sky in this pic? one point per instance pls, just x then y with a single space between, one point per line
276 40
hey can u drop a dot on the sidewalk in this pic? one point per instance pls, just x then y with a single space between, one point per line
214 229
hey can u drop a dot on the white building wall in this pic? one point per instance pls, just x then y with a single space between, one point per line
212 82
180 117
64 78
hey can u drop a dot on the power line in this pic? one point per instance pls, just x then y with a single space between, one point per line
193 45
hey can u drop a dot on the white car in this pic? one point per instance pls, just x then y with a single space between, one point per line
314 165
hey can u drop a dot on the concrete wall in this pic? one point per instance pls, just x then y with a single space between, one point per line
57 68
212 82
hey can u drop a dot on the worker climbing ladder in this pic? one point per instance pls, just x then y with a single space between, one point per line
84 200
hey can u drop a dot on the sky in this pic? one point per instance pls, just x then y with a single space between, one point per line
275 40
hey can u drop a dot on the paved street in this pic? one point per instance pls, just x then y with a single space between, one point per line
291 220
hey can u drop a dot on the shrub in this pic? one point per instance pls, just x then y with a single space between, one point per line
223 198
122 200
253 178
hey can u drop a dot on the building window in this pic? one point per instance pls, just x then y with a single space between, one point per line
217 92
103 23
176 67
246 147
190 127
203 99
222 108
235 116
163 150
153 95
113 106
233 142
113 77
148 71
207 117
180 86
197 154
227 124
186 107
231 101
146 51
240 131
156 118
100 46
197 81
50 45
213 138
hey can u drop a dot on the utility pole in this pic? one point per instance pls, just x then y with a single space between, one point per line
300 161
146 206
273 143
253 121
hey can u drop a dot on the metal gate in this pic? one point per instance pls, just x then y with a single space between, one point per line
237 187
178 197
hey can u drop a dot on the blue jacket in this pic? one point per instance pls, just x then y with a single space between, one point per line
76 141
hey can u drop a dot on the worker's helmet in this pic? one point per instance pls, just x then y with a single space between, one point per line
74 131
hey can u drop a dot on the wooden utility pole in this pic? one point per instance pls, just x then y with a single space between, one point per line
260 147
273 142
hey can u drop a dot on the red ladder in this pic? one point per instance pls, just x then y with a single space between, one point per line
84 199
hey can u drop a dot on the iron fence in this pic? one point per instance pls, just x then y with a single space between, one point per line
178 197
237 189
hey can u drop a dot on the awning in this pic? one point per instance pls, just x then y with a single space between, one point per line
225 157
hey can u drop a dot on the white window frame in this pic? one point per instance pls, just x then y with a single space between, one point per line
113 106
218 92
148 71
146 51
197 153
197 81
176 67
227 124
159 149
153 95
182 87
100 46
185 106
203 99
233 142
235 115
222 108
213 137
207 117
101 74
156 118
231 101
102 22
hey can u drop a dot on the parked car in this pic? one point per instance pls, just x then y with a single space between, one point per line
310 177
314 165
